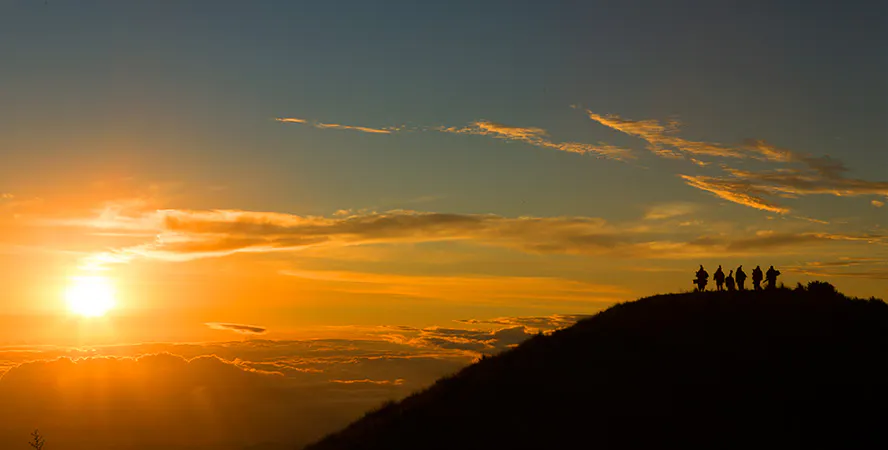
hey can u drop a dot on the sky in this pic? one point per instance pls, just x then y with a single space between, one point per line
360 196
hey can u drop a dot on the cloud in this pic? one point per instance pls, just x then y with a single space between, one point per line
811 175
335 126
230 395
775 240
823 176
733 191
537 137
248 397
661 138
863 268
877 203
397 382
478 341
6 196
236 327
188 234
183 235
213 402
510 132
349 127
532 324
806 182
818 174
670 210
529 135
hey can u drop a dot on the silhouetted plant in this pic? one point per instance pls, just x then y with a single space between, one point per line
37 440
822 288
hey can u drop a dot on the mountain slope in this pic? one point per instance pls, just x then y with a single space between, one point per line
778 368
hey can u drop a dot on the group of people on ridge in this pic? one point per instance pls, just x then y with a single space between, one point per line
737 281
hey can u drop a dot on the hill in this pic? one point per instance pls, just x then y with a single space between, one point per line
782 368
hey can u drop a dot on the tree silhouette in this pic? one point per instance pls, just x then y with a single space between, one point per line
37 440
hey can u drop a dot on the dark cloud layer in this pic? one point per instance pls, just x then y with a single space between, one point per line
237 327
231 395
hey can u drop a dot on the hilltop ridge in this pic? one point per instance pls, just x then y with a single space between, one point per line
780 368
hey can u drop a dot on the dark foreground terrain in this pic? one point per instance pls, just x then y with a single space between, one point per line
786 368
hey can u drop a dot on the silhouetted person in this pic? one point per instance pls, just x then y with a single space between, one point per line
701 280
719 278
741 278
771 276
757 276
729 281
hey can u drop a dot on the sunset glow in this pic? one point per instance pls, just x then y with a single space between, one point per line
272 217
90 296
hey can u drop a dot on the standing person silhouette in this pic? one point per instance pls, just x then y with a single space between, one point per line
719 278
757 276
729 281
700 281
771 276
741 278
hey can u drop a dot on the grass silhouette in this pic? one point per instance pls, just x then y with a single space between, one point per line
788 368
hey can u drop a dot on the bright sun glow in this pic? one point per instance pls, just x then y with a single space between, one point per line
90 296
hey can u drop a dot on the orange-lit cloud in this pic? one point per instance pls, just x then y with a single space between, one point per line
877 203
183 235
335 126
818 175
537 137
529 135
845 267
821 176
532 324
670 210
396 382
806 182
350 127
661 137
732 191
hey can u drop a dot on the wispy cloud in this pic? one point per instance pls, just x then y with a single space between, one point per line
533 324
537 137
290 120
530 135
351 127
670 210
822 176
846 267
733 191
237 327
661 138
396 382
877 203
335 126
817 174
183 235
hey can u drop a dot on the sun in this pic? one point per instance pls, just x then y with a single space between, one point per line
90 296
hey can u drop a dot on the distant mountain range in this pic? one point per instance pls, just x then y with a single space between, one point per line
802 368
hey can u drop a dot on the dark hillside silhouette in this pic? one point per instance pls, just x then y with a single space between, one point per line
781 368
